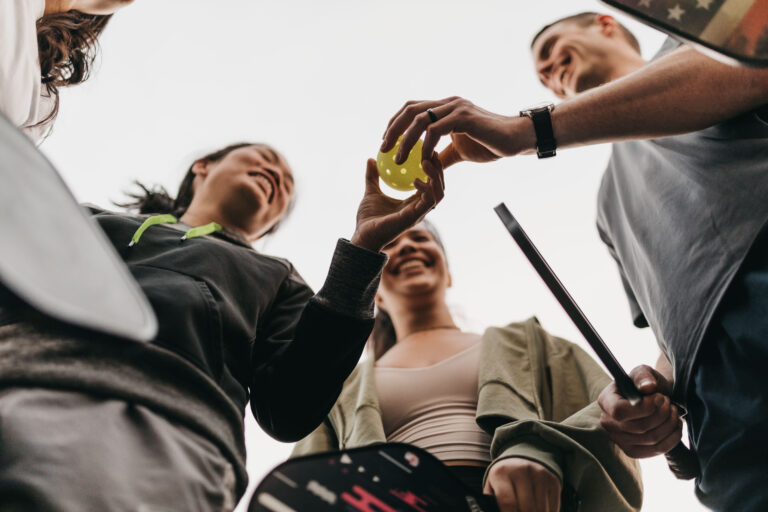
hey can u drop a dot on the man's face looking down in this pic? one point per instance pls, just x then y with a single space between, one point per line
570 58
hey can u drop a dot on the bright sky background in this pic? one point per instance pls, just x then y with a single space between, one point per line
319 79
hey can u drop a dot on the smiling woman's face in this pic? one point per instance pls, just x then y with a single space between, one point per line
416 269
251 187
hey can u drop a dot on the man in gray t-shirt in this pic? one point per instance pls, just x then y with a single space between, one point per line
680 213
683 208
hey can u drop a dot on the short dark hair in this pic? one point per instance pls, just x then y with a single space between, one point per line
585 19
157 200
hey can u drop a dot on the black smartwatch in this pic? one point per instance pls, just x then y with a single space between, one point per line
546 145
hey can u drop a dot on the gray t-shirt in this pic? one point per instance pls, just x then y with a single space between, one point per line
679 215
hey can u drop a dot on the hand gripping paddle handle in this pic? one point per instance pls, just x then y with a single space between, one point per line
682 461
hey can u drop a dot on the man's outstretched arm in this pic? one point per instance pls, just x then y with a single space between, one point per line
681 92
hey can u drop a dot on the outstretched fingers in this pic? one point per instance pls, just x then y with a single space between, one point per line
423 201
421 123
387 137
447 122
434 170
404 119
372 177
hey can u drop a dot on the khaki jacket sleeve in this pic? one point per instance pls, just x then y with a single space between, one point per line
322 439
579 452
557 424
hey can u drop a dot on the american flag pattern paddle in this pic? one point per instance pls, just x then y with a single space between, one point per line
735 29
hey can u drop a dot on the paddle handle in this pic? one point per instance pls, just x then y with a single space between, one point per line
681 460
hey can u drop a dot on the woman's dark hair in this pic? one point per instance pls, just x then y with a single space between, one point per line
383 336
67 45
157 200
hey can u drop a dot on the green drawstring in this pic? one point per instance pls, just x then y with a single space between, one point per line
202 231
170 219
155 219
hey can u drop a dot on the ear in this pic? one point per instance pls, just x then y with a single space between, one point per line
200 168
608 24
379 300
450 280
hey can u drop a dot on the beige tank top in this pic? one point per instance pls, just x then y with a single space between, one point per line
434 407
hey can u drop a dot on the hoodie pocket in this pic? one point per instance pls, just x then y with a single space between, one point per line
189 317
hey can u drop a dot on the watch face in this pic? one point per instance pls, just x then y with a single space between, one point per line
542 105
539 107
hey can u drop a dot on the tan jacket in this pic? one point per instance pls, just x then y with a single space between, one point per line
537 400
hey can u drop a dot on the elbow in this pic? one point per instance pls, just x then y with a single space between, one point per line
295 411
280 430
290 432
289 437
289 424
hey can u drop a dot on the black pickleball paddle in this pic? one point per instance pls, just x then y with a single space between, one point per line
681 460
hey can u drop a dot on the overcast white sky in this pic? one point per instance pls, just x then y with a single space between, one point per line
319 79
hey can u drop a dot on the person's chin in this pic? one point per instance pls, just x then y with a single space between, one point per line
246 204
587 81
253 195
418 284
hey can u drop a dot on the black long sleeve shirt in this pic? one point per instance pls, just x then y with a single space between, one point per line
234 325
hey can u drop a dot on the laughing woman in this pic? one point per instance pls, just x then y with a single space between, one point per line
90 422
511 412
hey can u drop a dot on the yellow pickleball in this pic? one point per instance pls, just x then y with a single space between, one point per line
401 176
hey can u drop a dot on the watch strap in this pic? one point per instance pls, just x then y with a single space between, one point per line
546 145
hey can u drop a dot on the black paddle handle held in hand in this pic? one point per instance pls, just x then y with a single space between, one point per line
681 460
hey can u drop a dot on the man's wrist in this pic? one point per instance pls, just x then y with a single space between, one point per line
449 156
523 136
541 117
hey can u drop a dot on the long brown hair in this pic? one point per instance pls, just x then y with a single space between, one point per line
67 45
383 336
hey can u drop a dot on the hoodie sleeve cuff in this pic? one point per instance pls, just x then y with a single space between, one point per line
352 280
534 450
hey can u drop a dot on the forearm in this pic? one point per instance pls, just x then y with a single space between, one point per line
681 92
296 387
580 453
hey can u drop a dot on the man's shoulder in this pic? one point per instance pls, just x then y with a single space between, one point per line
670 44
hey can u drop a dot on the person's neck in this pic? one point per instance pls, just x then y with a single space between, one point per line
627 65
56 6
410 320
198 216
